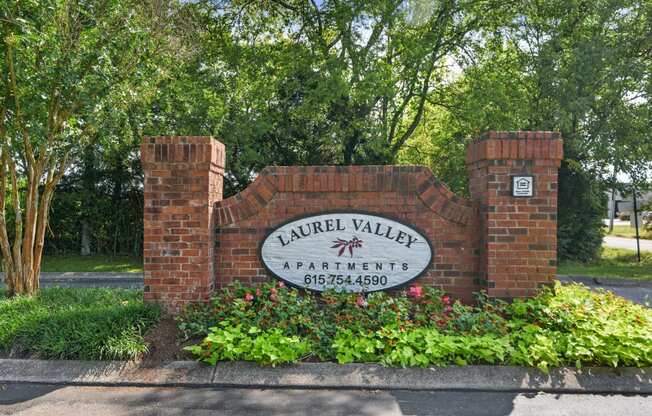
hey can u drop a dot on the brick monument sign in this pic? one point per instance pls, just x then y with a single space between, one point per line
357 228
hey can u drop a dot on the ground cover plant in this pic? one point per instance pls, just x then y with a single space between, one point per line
562 325
62 323
613 262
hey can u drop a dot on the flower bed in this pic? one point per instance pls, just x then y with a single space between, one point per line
563 325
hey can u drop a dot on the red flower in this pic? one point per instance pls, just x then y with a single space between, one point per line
415 291
446 300
361 302
448 309
273 291
249 297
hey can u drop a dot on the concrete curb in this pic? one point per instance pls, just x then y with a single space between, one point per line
605 281
329 376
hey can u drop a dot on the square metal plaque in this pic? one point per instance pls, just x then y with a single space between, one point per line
523 185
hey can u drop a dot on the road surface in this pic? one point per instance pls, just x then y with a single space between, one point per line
56 400
628 243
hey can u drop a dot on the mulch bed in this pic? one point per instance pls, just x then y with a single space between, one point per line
166 344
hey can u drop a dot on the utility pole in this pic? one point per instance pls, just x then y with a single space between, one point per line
612 211
638 242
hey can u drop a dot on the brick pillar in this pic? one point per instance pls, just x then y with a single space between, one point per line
519 247
183 180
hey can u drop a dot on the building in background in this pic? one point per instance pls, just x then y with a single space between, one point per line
624 205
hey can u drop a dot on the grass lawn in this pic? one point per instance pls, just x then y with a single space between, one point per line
80 324
613 263
94 263
630 232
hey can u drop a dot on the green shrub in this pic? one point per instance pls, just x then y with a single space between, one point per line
235 343
316 318
419 347
581 207
63 323
572 325
563 325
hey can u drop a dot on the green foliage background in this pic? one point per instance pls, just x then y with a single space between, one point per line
358 82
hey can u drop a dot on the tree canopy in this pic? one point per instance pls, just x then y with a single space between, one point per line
306 82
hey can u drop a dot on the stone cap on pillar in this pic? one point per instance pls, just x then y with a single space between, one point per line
182 149
516 145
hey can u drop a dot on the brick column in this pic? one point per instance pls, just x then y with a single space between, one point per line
183 180
519 247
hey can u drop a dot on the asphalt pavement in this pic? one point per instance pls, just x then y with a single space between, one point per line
57 400
627 243
89 279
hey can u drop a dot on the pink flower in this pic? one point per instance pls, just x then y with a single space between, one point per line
273 297
249 297
448 309
361 302
415 291
446 300
273 291
281 285
258 292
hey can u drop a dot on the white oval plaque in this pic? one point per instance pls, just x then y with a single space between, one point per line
346 251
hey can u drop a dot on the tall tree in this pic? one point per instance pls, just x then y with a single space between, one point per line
326 82
580 67
60 60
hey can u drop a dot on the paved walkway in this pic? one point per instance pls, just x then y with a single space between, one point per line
57 400
628 243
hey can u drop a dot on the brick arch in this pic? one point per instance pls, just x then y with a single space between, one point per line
248 202
320 179
441 200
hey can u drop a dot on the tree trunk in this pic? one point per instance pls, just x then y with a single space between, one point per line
89 196
85 238
16 283
23 261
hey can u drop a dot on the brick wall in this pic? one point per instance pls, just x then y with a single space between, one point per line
519 235
183 179
493 241
408 193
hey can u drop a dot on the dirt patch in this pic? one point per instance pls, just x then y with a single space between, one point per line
165 344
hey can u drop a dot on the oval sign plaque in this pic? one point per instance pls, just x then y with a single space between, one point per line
347 251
